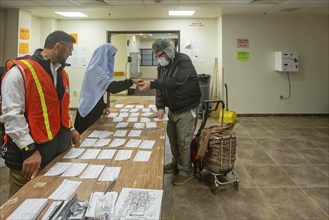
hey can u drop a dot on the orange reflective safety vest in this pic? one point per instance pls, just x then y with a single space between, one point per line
44 112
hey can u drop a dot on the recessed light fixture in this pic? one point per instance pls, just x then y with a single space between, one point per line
181 13
71 14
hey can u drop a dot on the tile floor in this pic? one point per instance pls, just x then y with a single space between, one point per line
283 167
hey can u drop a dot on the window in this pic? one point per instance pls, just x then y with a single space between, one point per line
147 58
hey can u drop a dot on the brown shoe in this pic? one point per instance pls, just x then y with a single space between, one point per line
180 180
170 168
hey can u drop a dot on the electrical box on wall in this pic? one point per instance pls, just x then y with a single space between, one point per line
286 61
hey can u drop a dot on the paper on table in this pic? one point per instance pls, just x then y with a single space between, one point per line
129 106
139 106
111 197
132 119
118 105
122 125
133 143
74 153
132 204
75 169
90 154
110 173
134 133
144 119
123 110
120 133
112 114
146 109
123 155
117 119
147 113
106 154
58 169
28 210
117 142
147 144
100 134
133 110
124 114
65 190
142 155
88 142
151 125
139 125
102 142
92 172
135 114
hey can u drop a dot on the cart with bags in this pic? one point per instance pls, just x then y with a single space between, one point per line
214 148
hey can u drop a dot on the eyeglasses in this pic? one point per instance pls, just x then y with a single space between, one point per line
67 46
160 55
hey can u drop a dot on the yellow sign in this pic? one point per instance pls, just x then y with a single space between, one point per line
75 35
24 48
24 33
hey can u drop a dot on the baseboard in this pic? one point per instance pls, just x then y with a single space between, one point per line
285 115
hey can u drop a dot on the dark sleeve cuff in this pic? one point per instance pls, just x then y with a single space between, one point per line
152 84
28 151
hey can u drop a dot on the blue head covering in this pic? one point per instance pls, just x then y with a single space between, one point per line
98 76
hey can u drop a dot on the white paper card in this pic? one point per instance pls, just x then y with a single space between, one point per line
90 154
133 143
88 142
147 144
117 142
123 155
28 210
74 153
110 173
139 125
106 154
58 169
118 105
135 133
102 142
142 155
65 190
138 204
120 133
75 169
92 172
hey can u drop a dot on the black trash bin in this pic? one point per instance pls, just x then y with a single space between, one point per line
204 81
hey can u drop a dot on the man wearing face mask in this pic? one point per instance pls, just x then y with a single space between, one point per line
177 88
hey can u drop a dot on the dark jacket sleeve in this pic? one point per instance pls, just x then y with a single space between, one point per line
119 86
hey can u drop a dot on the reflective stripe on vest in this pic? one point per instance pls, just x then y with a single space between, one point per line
42 98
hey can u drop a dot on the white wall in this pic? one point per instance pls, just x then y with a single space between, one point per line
254 86
97 36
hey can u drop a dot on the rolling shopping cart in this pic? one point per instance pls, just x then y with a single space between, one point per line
214 148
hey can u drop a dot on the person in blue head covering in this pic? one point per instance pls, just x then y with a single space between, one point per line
98 79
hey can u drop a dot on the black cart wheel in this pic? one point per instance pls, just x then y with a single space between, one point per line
214 189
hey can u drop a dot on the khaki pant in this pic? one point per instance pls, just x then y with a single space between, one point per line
16 181
180 129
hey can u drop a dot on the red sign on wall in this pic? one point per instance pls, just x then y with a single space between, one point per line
242 43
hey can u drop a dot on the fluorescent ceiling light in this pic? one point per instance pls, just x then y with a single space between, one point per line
181 13
71 14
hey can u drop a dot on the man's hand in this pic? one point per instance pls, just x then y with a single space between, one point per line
75 136
143 86
136 81
31 166
160 113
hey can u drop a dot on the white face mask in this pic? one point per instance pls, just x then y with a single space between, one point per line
162 61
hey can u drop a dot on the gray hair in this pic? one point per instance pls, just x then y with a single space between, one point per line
165 46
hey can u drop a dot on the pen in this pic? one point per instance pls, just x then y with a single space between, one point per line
57 207
110 186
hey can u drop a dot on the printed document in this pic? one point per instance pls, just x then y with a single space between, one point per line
28 210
